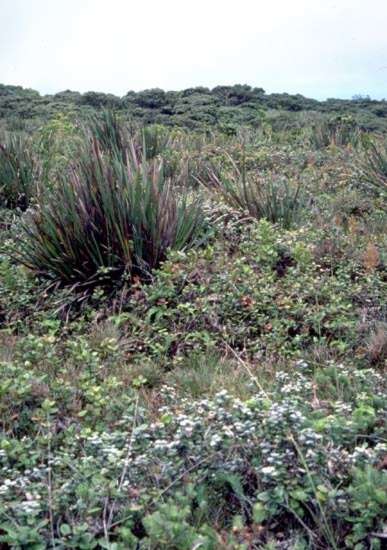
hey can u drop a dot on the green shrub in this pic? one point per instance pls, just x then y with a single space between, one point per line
56 142
18 172
193 471
261 293
368 502
107 221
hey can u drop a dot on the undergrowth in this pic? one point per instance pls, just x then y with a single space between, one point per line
181 373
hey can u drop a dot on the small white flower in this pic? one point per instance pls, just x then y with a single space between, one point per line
268 470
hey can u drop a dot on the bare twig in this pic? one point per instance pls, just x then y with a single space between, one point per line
108 523
247 368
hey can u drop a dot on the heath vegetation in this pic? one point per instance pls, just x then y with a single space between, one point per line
193 332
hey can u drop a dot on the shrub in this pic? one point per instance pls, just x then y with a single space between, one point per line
57 142
262 293
109 220
17 172
193 471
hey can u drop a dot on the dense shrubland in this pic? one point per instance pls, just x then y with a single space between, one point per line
223 107
193 334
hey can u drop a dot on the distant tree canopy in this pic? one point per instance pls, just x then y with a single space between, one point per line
223 106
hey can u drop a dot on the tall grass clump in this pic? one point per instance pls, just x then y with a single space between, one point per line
17 172
109 132
374 165
273 197
108 221
157 140
151 141
112 135
339 131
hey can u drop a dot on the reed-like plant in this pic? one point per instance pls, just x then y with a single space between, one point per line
108 131
109 221
157 140
269 196
113 135
373 165
17 172
339 132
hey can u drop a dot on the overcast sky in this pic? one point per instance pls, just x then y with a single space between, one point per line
320 48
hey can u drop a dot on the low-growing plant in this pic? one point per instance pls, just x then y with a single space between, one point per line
235 402
261 293
212 471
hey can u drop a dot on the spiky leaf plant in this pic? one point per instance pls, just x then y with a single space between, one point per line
109 132
374 165
112 135
274 198
109 221
157 139
18 171
339 131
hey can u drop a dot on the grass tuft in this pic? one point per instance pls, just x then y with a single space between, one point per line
17 173
109 221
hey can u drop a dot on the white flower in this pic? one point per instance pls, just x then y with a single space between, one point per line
215 440
268 470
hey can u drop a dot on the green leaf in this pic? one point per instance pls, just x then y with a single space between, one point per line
65 529
259 512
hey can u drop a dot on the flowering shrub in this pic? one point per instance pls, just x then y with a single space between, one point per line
281 456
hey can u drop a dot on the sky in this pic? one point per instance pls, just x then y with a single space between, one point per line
319 48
